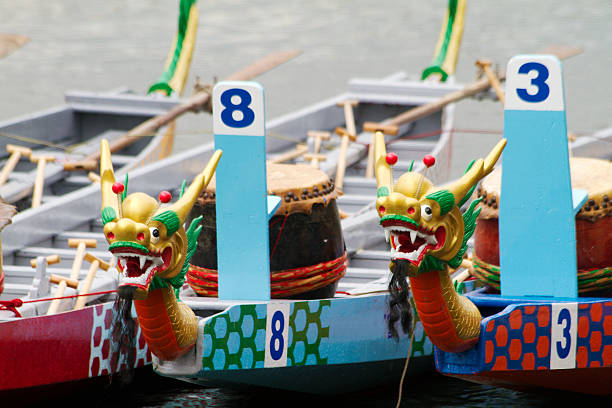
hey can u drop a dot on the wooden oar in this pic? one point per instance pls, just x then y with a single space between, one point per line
300 149
194 103
469 90
318 137
41 161
91 274
485 65
81 245
11 42
16 153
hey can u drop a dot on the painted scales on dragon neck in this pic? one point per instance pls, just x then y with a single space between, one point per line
428 234
153 249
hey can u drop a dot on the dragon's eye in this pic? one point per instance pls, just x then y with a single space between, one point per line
426 212
154 234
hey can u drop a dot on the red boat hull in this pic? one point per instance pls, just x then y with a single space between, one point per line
68 346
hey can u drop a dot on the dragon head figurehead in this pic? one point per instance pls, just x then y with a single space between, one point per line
424 223
147 238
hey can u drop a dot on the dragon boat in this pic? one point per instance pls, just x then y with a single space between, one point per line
539 313
49 153
85 349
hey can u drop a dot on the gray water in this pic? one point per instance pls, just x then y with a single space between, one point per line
101 45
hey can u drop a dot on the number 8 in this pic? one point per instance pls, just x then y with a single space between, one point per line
248 116
277 343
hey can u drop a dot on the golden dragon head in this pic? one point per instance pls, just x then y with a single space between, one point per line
147 238
423 222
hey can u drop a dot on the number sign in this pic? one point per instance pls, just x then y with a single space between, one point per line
564 322
536 190
238 109
241 192
534 83
277 330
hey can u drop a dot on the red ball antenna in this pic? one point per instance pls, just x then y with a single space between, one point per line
428 161
165 196
118 188
391 158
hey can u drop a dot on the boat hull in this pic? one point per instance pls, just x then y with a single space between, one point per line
564 345
60 348
324 346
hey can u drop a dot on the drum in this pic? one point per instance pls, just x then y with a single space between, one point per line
593 226
306 244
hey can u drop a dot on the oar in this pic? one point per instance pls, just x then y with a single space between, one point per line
472 89
11 42
194 103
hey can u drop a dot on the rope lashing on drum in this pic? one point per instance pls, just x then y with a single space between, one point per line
287 282
12 305
588 280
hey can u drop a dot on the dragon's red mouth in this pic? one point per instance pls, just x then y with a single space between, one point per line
138 268
411 242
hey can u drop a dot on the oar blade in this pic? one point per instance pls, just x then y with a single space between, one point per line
11 42
264 65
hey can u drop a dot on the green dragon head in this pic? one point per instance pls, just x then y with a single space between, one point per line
423 222
148 239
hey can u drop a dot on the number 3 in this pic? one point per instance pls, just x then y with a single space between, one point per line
563 351
539 82
227 114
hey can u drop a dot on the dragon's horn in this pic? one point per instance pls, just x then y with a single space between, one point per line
184 204
478 170
110 202
384 176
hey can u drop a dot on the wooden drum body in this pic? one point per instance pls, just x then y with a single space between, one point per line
593 226
306 244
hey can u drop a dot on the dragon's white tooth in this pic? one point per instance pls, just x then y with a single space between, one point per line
413 235
142 260
387 235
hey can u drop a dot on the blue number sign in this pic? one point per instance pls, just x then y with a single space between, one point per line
536 220
241 192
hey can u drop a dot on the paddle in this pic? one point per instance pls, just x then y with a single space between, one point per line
11 42
194 103
561 52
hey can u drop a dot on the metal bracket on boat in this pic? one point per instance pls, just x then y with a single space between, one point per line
40 283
